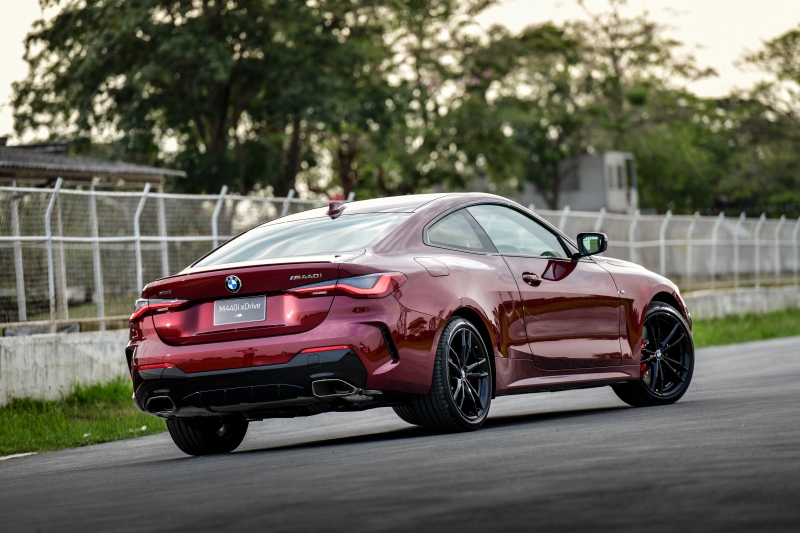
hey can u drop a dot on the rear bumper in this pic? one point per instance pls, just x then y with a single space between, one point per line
269 373
259 392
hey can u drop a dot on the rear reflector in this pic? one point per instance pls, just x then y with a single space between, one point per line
154 367
370 286
325 349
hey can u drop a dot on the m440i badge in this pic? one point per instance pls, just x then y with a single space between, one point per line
305 276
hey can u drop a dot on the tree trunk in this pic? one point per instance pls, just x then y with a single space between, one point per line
346 165
292 166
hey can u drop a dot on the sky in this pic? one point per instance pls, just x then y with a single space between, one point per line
717 32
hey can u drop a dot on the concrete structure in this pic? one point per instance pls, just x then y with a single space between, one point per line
718 304
593 182
46 367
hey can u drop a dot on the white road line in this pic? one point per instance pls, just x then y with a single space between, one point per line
17 455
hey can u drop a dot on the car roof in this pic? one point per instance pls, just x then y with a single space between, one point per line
409 203
393 204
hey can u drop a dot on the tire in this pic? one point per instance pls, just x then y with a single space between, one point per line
458 400
670 365
406 413
201 436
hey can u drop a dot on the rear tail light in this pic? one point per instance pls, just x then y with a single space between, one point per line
144 307
324 288
370 286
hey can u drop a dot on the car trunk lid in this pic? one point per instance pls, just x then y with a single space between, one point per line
204 291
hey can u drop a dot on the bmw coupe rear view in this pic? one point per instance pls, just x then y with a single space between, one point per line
432 305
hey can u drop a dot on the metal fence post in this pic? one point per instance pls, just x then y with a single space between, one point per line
714 233
51 281
689 233
795 246
781 222
162 232
662 243
99 295
138 238
19 271
287 203
736 232
598 223
761 220
564 215
60 262
631 235
215 215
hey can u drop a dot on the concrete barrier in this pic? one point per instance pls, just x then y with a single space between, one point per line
722 303
47 366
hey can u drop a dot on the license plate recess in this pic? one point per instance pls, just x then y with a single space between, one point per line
240 310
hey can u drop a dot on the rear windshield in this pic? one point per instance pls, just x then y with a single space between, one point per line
305 237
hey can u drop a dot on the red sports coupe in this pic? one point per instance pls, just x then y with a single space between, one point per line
431 304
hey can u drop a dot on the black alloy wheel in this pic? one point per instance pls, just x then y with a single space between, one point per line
667 359
468 374
461 392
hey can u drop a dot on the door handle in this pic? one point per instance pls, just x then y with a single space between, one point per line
531 279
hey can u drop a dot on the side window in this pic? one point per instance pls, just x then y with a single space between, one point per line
513 233
459 230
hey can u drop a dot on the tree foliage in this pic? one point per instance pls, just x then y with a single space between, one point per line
385 97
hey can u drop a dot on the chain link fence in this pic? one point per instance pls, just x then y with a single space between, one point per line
73 256
696 252
78 258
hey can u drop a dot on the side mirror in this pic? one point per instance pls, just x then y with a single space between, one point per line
592 243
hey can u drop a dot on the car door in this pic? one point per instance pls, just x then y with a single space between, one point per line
571 306
481 276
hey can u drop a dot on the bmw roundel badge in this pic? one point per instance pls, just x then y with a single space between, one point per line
233 283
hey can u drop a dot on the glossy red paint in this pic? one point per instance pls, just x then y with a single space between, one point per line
578 325
571 313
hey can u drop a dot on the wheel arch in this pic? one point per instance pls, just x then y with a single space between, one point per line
477 320
674 301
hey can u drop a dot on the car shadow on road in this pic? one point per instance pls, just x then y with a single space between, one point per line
412 432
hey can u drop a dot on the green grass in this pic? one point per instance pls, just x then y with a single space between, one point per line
91 414
733 329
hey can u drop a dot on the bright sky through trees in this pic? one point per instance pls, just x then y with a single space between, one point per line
718 32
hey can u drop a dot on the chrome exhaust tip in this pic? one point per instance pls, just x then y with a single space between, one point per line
336 388
329 388
160 405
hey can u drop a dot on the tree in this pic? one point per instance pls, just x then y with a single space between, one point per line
224 90
587 86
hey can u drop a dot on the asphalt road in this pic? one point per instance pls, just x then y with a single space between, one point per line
724 458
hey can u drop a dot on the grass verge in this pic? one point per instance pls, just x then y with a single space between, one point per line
91 414
733 329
